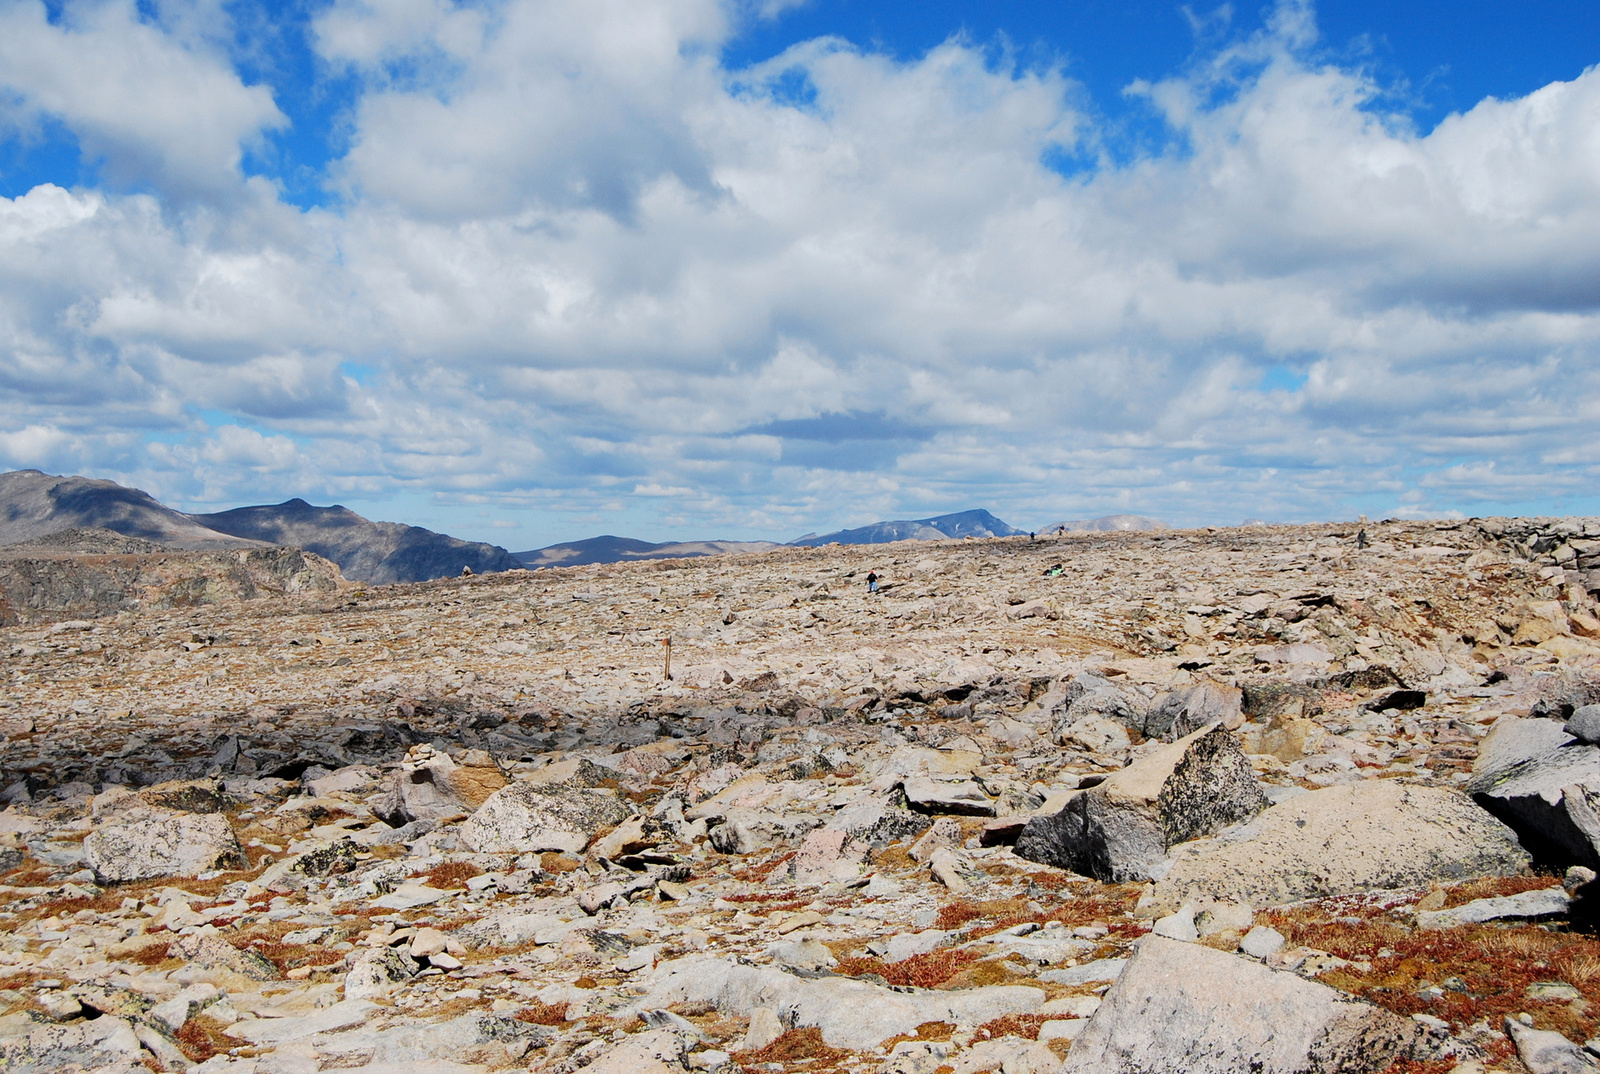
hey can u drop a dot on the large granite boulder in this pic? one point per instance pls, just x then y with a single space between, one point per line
1372 835
1544 783
1121 830
1184 712
531 818
145 843
1184 1007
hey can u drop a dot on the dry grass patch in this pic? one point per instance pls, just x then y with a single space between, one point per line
1013 1025
153 955
202 1037
935 1031
998 913
543 1014
990 971
1482 972
555 863
1490 887
450 874
895 859
803 1045
919 971
760 873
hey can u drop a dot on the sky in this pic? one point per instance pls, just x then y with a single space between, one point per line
530 271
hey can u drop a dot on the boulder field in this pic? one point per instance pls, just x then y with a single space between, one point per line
1306 800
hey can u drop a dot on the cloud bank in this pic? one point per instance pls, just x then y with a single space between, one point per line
572 268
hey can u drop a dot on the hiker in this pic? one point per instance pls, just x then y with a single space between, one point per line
1361 539
1031 537
872 581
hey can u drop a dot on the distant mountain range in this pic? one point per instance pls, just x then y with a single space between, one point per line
609 549
34 504
978 523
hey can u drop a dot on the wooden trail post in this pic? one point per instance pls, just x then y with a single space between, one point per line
666 670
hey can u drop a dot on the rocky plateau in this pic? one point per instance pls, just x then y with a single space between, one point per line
1280 799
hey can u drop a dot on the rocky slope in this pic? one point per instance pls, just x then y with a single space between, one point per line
90 573
1200 800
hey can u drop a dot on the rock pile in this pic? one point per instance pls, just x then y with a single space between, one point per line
1222 800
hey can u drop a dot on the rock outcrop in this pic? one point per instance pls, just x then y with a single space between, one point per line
1120 830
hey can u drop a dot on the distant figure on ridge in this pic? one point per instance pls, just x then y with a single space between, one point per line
872 581
1361 539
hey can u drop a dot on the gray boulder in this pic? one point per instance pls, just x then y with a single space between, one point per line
927 794
1121 829
1184 712
215 953
1545 784
1544 902
104 1044
1584 724
745 831
529 818
1373 835
144 844
1180 1006
850 1013
374 971
876 820
1090 696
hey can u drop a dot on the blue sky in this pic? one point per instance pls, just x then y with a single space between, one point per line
747 268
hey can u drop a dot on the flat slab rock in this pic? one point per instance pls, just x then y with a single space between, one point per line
850 1014
1368 836
1183 1007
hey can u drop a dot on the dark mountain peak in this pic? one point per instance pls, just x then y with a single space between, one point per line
972 523
34 504
367 551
